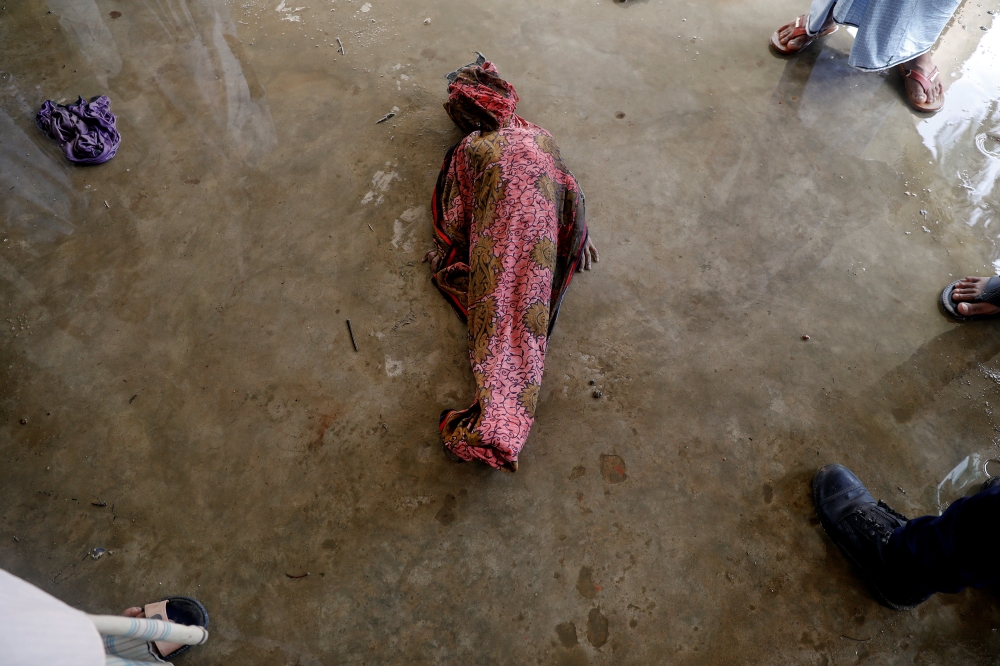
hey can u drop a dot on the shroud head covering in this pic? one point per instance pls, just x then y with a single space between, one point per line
478 99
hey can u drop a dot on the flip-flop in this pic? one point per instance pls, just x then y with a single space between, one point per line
185 610
990 294
799 31
926 82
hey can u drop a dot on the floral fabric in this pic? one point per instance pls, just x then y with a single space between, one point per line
509 225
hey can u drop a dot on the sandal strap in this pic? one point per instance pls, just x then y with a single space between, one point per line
926 82
799 29
991 292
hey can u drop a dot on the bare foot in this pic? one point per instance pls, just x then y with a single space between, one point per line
967 289
925 66
785 33
589 253
134 611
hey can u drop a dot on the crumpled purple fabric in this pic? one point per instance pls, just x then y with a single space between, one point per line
85 130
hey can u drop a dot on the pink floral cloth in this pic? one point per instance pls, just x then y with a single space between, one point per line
510 230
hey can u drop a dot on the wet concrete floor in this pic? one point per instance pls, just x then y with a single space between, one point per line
174 332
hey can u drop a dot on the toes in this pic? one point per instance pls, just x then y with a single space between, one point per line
972 284
134 611
784 35
972 309
966 294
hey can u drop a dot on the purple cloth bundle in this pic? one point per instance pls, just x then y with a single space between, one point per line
85 130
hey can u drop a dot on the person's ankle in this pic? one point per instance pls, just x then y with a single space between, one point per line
908 576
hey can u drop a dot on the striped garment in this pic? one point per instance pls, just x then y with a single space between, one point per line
890 32
40 630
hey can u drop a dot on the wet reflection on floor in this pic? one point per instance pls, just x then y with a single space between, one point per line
38 196
844 106
964 139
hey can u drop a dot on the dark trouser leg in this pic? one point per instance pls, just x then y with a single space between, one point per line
949 552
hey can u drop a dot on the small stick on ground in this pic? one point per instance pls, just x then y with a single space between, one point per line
299 576
106 204
385 117
340 48
350 329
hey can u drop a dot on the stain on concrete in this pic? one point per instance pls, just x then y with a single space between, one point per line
613 468
573 657
325 421
597 628
585 583
768 492
446 514
567 634
577 472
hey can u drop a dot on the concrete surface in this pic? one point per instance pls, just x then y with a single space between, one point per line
194 405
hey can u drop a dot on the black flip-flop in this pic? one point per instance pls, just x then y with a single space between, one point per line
185 610
991 295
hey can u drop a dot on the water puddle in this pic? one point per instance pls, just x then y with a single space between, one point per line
989 144
965 479
964 138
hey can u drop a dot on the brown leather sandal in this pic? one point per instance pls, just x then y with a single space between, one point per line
799 31
926 82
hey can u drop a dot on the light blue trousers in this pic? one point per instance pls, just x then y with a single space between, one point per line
889 31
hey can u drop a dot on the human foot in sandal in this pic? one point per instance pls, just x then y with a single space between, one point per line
792 37
923 84
181 610
972 297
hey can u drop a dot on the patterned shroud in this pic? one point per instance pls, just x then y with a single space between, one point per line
510 232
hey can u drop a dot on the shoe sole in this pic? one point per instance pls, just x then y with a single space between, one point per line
879 595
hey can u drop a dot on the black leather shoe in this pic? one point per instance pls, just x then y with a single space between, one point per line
991 482
861 527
